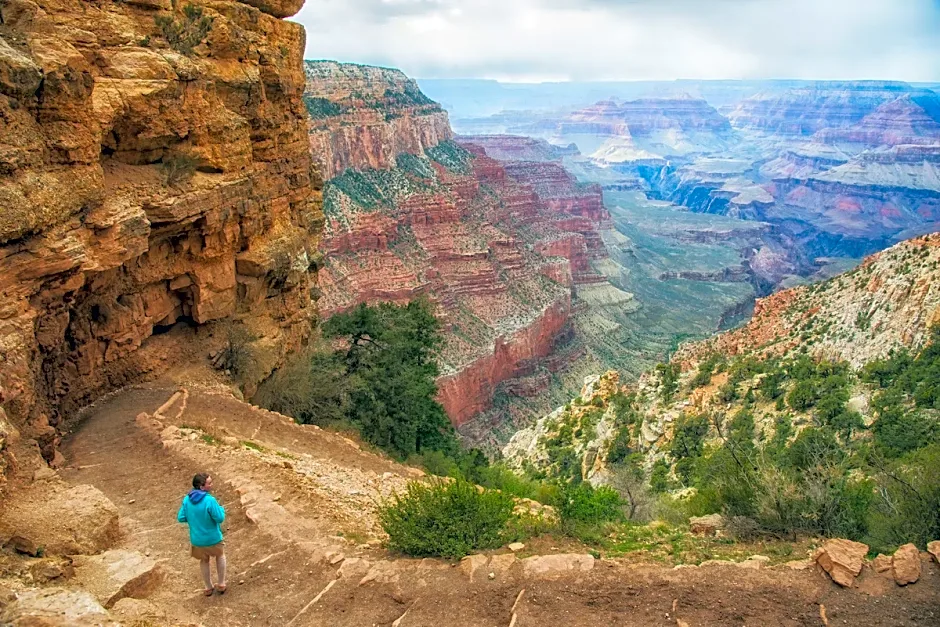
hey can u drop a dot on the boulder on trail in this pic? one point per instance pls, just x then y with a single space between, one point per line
58 520
707 525
556 565
842 559
55 607
906 565
117 574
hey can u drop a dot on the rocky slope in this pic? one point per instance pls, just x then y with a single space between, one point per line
890 301
364 117
155 177
805 110
500 247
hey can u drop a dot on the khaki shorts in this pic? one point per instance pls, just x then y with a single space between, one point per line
205 552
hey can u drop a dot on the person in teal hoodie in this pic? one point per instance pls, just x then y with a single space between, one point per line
205 517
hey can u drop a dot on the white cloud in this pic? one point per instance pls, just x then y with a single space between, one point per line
631 39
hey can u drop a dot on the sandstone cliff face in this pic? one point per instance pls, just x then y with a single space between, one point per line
155 177
456 226
364 117
497 246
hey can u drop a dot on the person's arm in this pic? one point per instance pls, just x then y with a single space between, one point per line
181 515
216 511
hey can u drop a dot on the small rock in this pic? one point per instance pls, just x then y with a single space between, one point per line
707 525
241 582
45 570
471 564
353 568
842 559
132 501
515 547
502 563
906 565
492 576
882 563
800 564
934 549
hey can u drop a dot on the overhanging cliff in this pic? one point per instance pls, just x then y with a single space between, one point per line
155 177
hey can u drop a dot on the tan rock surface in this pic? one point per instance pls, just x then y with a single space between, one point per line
55 607
116 574
707 525
547 566
906 565
882 563
842 559
934 549
59 520
136 171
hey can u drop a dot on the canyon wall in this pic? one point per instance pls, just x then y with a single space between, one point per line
364 117
498 247
156 178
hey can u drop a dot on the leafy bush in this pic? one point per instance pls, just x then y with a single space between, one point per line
907 508
669 381
312 389
802 396
237 354
585 504
320 108
447 519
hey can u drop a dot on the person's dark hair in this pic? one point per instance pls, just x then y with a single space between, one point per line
200 480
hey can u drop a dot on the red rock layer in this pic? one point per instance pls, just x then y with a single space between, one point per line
498 247
470 391
364 117
819 106
144 185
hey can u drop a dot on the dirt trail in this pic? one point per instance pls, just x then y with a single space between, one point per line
302 540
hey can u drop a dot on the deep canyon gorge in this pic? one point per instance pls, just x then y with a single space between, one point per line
186 201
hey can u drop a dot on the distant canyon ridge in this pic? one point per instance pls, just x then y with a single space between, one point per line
567 241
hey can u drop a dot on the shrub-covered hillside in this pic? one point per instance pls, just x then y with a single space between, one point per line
821 415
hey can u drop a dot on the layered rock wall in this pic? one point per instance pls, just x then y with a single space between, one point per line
364 117
410 212
155 177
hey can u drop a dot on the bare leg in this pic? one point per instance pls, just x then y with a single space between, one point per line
220 569
206 575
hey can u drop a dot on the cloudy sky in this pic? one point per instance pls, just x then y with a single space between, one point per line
532 40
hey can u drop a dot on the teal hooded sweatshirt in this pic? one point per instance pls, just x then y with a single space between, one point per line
204 515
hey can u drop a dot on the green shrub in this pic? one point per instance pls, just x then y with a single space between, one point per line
669 381
447 519
583 503
802 396
238 354
907 507
312 389
320 108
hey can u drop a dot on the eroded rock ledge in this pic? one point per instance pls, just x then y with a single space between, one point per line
155 175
